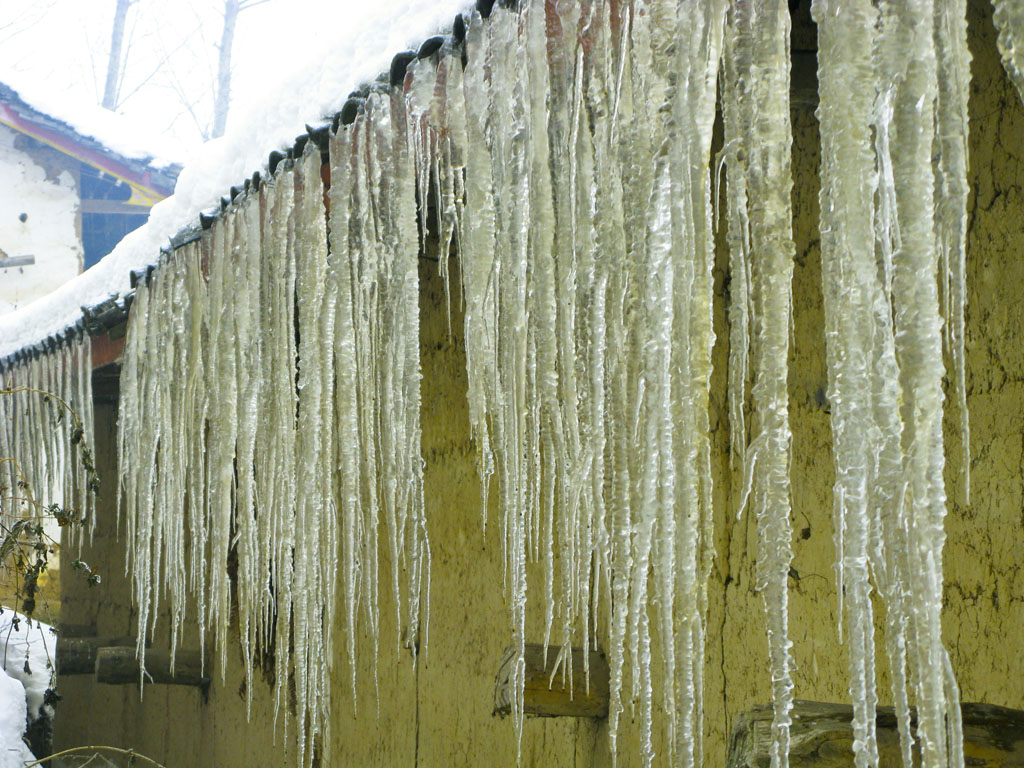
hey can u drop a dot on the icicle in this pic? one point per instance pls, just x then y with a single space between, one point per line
1008 17
477 239
901 74
372 290
46 441
222 388
348 438
758 131
953 61
251 565
586 250
914 85
851 283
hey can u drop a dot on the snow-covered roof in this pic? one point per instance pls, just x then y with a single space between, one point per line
117 132
312 93
88 131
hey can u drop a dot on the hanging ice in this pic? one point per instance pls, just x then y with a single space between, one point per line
46 439
586 251
758 139
1009 20
853 293
258 456
569 162
893 85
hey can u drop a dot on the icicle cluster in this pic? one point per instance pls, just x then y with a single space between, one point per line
46 437
570 164
373 285
269 418
1008 17
758 141
571 161
893 84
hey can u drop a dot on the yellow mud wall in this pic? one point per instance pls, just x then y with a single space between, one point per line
438 712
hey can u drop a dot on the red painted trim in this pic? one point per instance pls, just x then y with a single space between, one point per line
106 350
69 146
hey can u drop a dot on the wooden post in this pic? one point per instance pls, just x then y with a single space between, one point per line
548 691
822 736
119 666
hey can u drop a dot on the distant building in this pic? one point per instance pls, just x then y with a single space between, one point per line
66 199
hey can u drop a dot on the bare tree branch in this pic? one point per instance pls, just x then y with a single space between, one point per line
189 106
28 16
124 59
159 66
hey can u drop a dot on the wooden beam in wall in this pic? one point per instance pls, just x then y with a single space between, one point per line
548 690
77 655
822 736
119 666
112 206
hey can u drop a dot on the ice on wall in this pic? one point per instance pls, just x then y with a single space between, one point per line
46 443
859 345
260 475
586 277
893 85
758 141
1008 17
570 164
583 135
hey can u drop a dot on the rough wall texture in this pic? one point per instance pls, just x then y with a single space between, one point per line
439 713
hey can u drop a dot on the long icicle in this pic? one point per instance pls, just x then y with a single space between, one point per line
1008 17
850 284
757 127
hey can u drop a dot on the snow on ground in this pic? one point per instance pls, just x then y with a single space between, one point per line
27 656
13 752
352 55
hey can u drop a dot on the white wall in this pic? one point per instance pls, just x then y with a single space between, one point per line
48 232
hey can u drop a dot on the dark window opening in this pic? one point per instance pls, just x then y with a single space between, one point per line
97 185
102 231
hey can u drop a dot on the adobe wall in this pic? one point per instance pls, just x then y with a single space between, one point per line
439 713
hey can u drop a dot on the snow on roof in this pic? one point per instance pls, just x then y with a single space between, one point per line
118 133
353 54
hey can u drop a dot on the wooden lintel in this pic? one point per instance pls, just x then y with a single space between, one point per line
66 629
113 206
77 655
822 736
549 689
120 666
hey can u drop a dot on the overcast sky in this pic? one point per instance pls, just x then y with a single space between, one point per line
62 46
